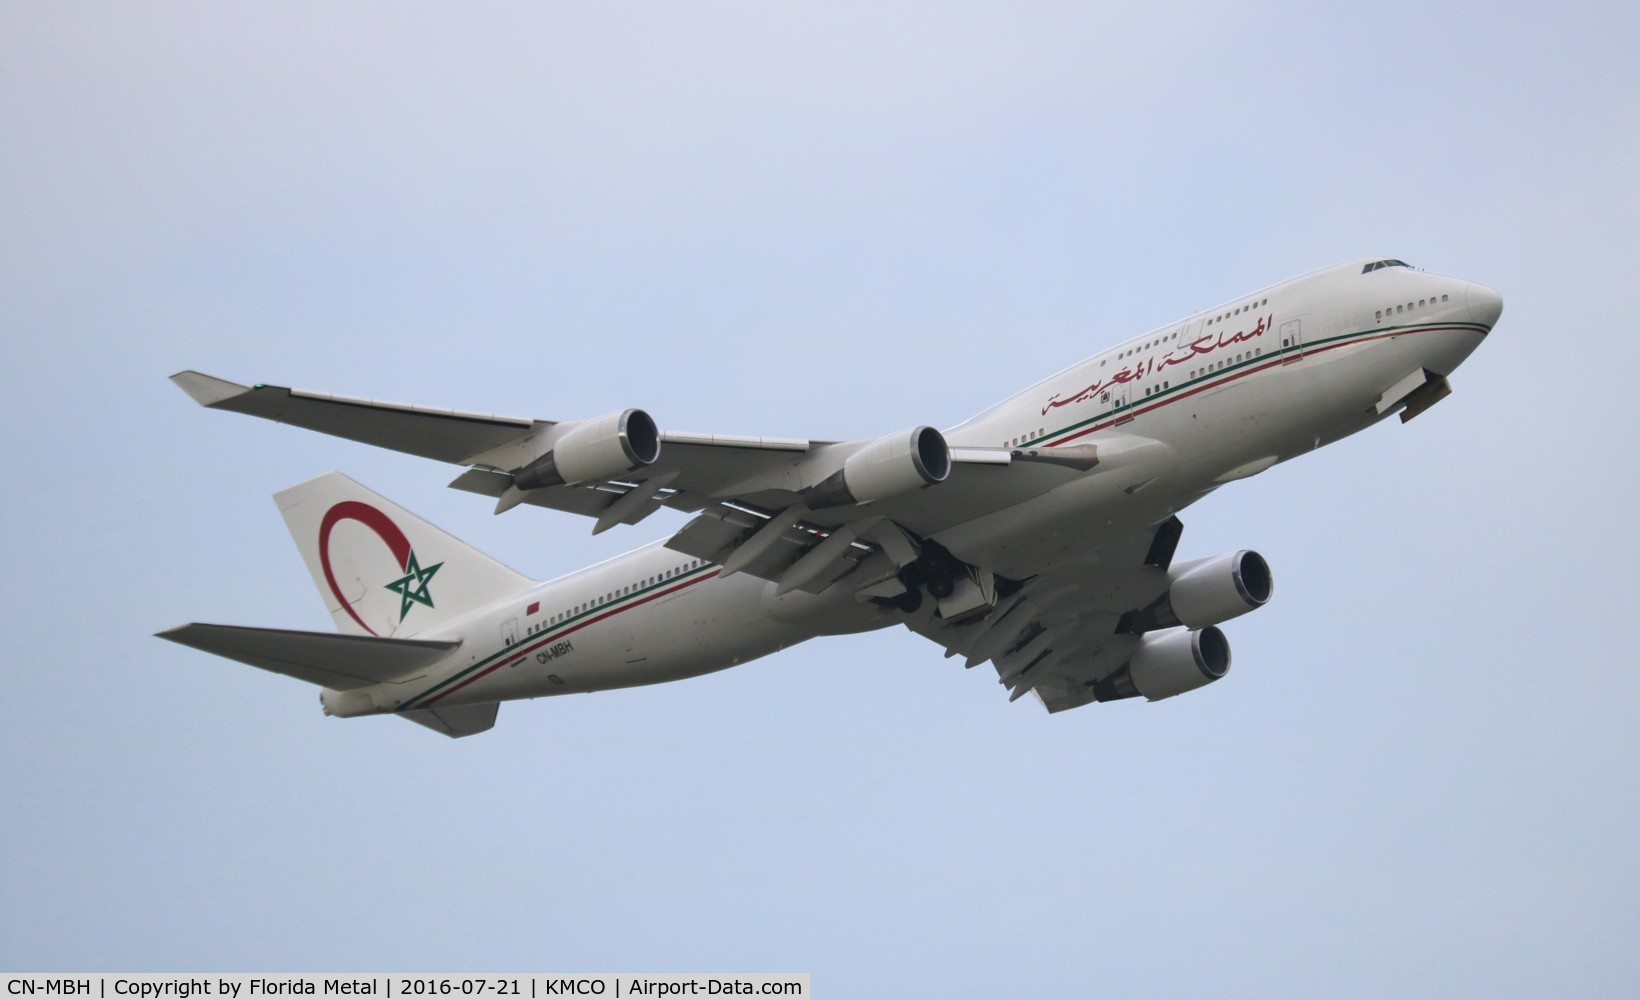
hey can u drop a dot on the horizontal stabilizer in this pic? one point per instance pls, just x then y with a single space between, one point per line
455 721
341 662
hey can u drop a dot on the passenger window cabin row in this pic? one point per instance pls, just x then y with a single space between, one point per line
1214 320
648 581
1399 309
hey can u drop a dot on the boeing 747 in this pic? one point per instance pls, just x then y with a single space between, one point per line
1038 535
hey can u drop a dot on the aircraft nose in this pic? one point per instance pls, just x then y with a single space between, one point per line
1485 305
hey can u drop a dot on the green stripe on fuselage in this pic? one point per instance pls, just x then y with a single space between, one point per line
1175 390
559 629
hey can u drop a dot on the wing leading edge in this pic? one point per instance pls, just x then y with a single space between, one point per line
445 435
756 500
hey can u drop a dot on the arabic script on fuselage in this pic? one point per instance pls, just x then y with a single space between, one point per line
1207 343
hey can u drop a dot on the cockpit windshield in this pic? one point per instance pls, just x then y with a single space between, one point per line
1375 265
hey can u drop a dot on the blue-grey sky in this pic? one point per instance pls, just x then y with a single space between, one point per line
1422 777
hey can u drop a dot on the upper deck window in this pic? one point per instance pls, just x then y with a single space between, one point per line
1375 265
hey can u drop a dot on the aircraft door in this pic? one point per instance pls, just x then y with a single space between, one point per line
1292 341
1120 400
509 631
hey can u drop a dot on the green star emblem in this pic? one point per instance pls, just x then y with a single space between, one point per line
412 586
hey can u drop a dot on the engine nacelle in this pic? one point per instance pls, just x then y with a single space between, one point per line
1211 591
595 450
887 467
1169 663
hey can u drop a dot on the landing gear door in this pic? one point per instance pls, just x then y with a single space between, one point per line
1292 341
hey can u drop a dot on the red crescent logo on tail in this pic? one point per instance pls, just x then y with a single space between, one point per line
375 520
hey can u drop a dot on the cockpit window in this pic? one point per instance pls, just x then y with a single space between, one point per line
1375 265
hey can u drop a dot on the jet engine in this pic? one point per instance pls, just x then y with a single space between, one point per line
1169 663
1206 592
887 467
595 450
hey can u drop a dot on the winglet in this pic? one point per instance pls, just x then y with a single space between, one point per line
207 390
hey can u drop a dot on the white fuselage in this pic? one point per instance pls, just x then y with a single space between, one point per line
1215 397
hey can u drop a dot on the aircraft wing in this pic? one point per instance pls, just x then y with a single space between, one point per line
446 435
787 510
1062 632
695 469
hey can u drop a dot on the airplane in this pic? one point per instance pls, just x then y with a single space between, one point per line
1038 535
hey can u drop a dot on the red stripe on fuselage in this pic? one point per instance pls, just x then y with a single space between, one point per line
555 636
1275 362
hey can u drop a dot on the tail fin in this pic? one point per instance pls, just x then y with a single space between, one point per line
382 570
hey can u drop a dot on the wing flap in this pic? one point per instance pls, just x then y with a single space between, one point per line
783 547
1058 635
331 660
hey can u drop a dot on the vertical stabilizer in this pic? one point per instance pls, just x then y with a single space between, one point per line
382 570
